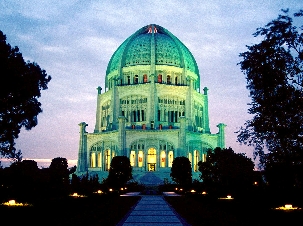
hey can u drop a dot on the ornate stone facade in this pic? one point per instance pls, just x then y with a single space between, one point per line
152 110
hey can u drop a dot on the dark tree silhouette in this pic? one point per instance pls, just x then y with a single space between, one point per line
20 86
181 172
274 73
120 172
59 176
21 180
226 171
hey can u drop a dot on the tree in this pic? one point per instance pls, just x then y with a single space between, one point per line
120 172
227 171
21 180
274 73
59 175
181 172
20 86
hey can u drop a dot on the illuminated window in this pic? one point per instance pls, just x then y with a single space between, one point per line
107 160
152 155
99 159
163 158
152 159
160 78
93 160
204 157
145 78
170 158
132 158
140 158
190 158
150 30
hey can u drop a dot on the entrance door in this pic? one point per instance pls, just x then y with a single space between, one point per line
151 159
151 166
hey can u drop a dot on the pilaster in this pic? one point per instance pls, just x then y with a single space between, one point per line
205 112
122 136
82 154
221 137
98 112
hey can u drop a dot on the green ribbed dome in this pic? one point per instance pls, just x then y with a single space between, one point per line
152 44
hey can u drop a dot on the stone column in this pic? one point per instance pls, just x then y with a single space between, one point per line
205 112
82 154
182 137
98 112
221 135
122 136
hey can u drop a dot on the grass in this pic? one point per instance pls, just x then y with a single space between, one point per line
96 210
201 210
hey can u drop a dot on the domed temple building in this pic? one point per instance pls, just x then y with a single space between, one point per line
152 109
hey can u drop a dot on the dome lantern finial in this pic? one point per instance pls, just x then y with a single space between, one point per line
152 29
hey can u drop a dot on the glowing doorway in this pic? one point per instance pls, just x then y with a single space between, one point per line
152 159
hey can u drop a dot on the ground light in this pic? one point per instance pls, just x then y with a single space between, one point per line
227 197
76 195
287 207
14 203
204 193
99 192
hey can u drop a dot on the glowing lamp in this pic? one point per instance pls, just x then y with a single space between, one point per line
192 191
12 202
204 193
288 206
110 189
99 191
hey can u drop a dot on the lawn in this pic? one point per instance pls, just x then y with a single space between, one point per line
201 210
96 210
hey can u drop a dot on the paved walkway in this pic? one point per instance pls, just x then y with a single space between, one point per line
152 210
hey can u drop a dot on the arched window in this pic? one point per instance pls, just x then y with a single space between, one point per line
176 80
145 78
163 158
128 80
170 158
99 160
168 81
160 78
136 79
152 159
93 160
204 157
140 159
107 160
132 158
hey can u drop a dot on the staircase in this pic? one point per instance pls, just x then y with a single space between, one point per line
151 178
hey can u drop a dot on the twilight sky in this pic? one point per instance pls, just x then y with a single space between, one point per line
73 41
